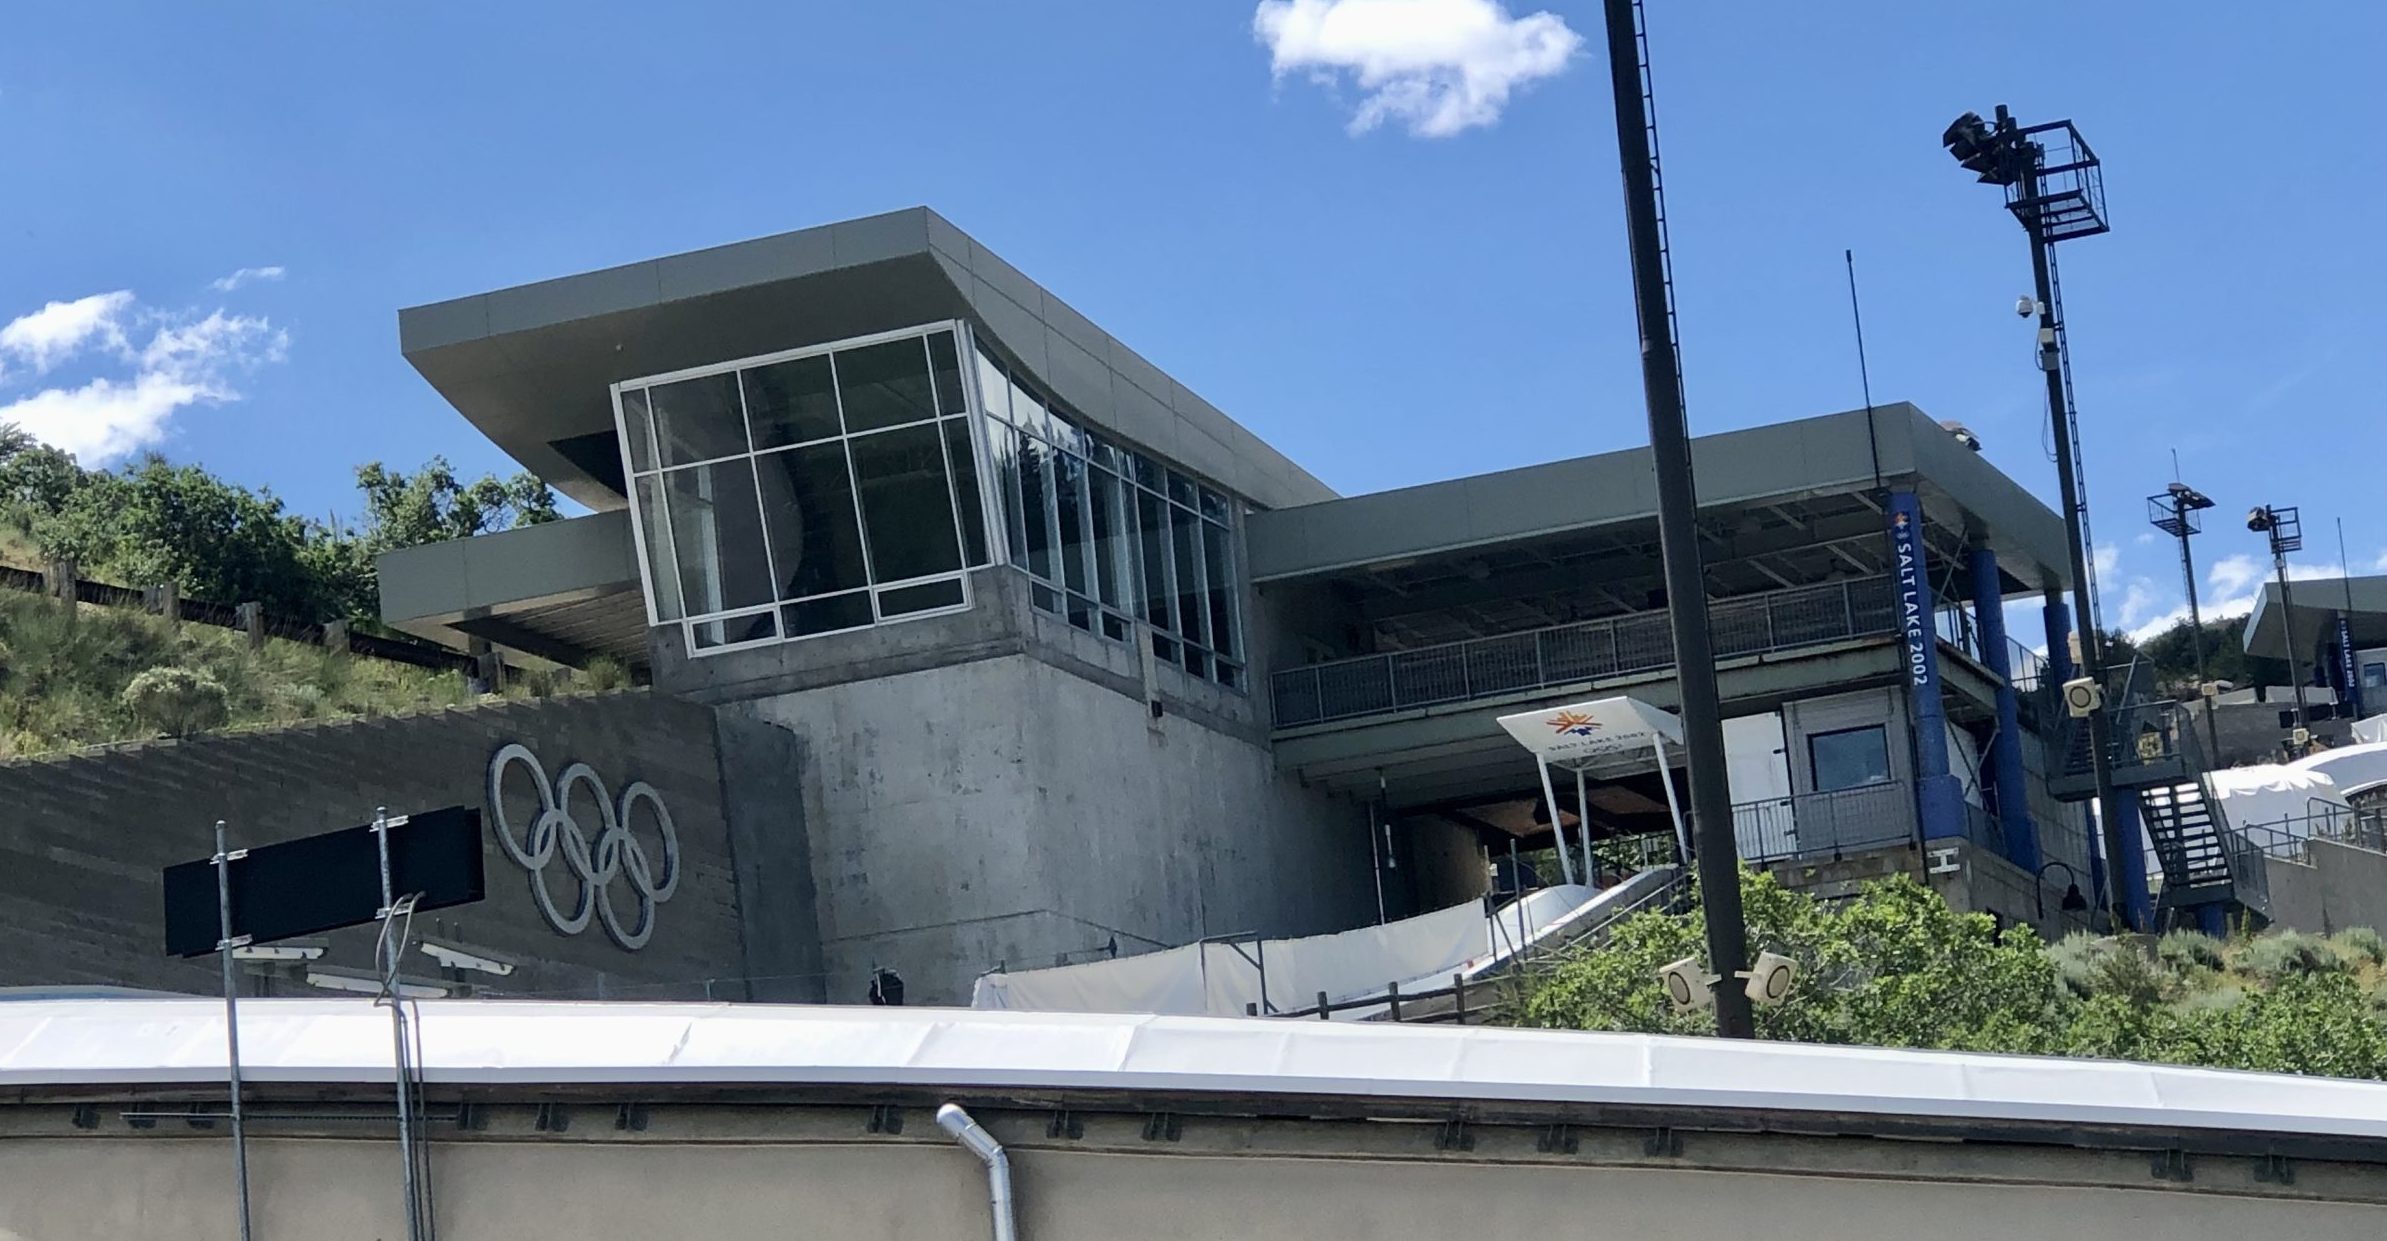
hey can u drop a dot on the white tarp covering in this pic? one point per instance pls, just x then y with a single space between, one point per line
1221 979
120 1042
2372 731
2349 767
2274 795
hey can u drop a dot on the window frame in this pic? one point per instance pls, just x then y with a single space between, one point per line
1208 513
644 543
1881 731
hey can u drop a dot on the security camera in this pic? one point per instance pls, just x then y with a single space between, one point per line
2026 306
458 957
1964 434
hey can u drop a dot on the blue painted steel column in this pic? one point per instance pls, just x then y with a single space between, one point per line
2131 870
2059 637
2005 748
2213 920
1939 799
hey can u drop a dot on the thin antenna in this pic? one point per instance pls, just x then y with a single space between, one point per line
1856 315
2175 465
2345 567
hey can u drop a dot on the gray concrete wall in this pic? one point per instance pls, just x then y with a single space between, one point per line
87 835
731 1177
2336 886
1008 810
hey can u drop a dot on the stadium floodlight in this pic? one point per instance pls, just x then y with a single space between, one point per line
2283 529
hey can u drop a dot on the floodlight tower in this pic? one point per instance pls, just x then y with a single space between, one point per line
2056 189
2285 530
2174 513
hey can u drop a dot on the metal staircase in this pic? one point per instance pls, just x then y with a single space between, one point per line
2157 758
2192 845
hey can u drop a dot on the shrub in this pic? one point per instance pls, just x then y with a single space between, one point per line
2183 951
177 701
2360 944
2286 954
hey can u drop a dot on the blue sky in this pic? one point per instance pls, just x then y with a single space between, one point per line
1439 293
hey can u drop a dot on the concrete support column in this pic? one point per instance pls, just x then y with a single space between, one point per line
2007 790
1939 798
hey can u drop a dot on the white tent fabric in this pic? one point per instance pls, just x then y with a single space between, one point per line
2372 731
2348 767
2274 795
1221 978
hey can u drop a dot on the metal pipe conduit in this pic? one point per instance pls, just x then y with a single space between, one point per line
952 1119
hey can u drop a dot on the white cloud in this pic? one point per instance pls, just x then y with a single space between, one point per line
1436 66
246 275
2232 574
189 359
60 330
2237 581
2107 559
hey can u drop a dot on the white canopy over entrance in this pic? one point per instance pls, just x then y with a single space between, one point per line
1608 737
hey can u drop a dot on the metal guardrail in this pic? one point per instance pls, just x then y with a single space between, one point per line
2291 838
400 650
1565 654
1478 998
1869 816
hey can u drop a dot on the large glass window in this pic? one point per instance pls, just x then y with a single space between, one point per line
806 493
1110 537
1848 758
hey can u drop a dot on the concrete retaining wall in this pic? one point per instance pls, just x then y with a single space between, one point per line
1006 812
85 838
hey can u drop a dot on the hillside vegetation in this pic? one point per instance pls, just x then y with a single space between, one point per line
111 674
93 674
1896 967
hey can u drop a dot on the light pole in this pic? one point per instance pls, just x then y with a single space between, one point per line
2055 187
1678 529
2285 530
2174 512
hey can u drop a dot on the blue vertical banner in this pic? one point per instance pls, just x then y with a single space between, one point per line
1938 798
2346 669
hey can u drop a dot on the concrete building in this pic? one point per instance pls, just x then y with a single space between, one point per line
551 1121
1077 664
972 640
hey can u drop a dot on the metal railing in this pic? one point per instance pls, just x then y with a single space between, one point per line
1565 654
1869 816
2291 838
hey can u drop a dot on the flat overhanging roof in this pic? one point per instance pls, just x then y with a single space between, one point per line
532 366
564 589
2319 602
1781 464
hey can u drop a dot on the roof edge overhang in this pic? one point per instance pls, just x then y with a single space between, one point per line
1853 452
532 366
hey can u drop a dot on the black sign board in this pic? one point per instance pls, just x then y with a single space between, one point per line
322 883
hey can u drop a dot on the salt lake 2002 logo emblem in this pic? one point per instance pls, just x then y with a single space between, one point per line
1573 724
614 854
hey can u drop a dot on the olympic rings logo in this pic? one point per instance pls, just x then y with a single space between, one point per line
614 854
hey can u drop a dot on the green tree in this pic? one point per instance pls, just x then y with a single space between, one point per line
1895 967
432 504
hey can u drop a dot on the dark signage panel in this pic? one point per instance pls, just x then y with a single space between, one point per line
322 883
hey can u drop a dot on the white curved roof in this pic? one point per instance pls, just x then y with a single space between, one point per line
127 1042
